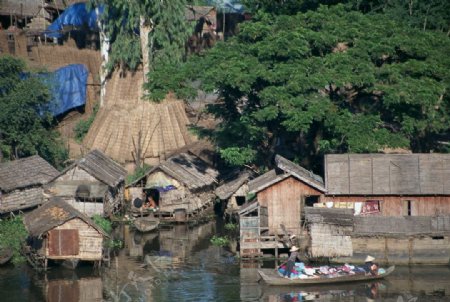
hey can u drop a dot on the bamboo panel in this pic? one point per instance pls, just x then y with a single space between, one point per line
360 174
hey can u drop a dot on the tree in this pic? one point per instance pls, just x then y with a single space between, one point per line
149 32
26 129
329 80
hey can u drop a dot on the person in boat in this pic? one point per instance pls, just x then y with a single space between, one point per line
369 266
291 261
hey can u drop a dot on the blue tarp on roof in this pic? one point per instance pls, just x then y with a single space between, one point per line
75 15
68 87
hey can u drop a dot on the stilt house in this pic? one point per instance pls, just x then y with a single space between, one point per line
183 183
21 183
389 184
93 185
57 231
284 191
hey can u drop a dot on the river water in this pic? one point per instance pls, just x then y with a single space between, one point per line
178 263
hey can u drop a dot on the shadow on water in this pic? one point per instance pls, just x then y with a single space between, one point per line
178 263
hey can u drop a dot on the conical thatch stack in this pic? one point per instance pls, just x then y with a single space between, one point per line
162 126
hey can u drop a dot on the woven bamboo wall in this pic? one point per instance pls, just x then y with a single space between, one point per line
88 208
387 174
163 126
21 199
91 241
330 240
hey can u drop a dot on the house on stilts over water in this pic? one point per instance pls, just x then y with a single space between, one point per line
93 184
276 214
400 205
59 232
395 207
21 183
182 187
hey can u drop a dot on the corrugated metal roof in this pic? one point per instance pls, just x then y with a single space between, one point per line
25 172
388 174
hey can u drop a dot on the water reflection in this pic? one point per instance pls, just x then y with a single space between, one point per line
420 283
178 263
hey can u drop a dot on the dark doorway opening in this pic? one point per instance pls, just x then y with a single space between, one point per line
311 200
153 194
240 200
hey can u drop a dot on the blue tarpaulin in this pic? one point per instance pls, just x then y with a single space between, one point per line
68 87
75 15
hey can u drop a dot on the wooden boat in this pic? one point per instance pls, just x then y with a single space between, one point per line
271 277
146 224
5 255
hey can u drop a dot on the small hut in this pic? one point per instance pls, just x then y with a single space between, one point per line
182 186
57 231
21 183
285 191
233 192
93 185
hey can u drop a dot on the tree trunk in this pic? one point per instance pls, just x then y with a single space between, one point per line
145 29
104 51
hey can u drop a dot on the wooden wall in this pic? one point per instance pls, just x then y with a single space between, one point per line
397 205
90 240
284 203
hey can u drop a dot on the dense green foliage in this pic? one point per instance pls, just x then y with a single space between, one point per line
219 240
82 127
138 173
168 34
103 223
12 235
331 80
432 14
25 128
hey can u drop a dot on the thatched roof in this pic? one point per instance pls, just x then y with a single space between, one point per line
125 116
20 8
101 167
387 174
52 214
232 185
187 169
285 169
25 172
